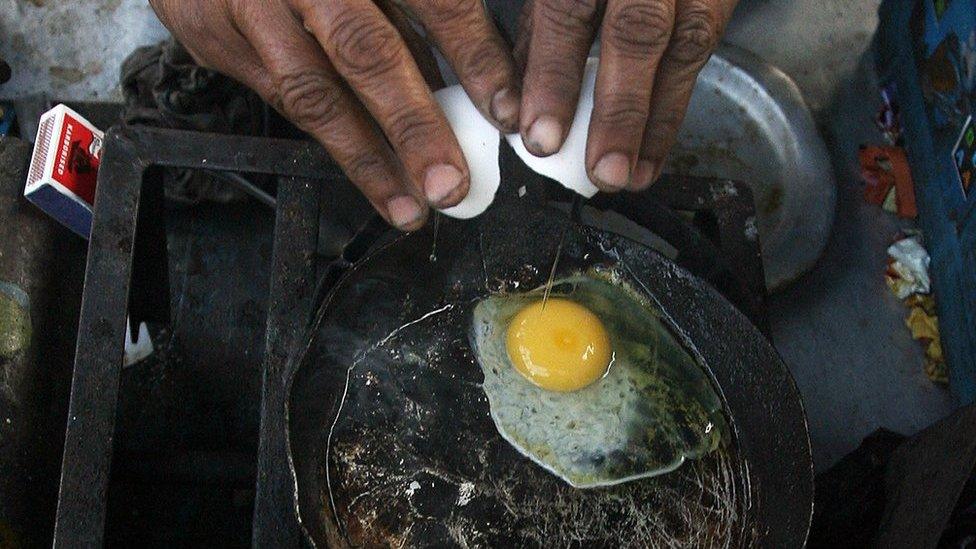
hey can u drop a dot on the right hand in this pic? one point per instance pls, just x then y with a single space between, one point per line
342 71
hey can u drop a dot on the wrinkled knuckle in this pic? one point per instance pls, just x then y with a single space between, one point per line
367 168
475 57
639 29
446 10
365 45
627 111
309 99
568 16
410 127
695 37
480 61
557 76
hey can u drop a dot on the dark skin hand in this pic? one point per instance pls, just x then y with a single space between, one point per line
355 76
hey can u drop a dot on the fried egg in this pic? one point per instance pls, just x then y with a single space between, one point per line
592 386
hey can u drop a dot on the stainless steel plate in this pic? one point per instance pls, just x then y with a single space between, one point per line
747 121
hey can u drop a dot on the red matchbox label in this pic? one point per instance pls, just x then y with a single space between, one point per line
76 164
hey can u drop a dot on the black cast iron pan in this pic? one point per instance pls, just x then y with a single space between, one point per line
389 433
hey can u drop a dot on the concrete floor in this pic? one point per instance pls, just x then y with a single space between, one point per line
72 49
838 329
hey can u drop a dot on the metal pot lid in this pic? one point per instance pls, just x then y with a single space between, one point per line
747 121
389 428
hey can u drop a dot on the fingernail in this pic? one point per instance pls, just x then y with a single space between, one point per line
505 109
644 174
440 182
613 171
404 211
544 136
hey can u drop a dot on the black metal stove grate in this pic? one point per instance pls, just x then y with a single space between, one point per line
127 268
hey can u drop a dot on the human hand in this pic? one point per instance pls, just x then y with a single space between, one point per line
650 54
345 71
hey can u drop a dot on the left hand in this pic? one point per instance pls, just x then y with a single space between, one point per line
651 53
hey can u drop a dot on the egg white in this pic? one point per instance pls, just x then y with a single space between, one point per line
653 409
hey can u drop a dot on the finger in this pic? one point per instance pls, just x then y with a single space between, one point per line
635 36
420 50
697 29
474 48
369 53
307 91
522 36
231 55
244 65
562 32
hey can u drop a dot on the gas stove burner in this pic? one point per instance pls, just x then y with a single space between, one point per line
708 224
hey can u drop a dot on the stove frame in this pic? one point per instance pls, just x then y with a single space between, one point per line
127 271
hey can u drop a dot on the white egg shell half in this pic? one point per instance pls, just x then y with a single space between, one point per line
568 166
479 142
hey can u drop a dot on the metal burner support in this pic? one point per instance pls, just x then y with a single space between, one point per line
128 211
127 270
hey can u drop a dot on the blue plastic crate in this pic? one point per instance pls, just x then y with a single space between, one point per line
926 52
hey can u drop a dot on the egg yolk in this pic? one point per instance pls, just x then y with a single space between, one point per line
562 347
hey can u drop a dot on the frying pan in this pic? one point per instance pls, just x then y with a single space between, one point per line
389 433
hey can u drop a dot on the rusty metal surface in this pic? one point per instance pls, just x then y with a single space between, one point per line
130 156
128 172
98 358
40 279
293 282
414 437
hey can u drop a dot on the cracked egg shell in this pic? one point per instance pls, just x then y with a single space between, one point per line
568 165
480 140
